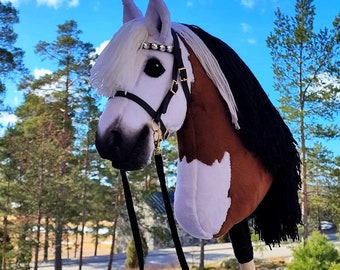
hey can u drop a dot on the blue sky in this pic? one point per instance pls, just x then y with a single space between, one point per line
243 24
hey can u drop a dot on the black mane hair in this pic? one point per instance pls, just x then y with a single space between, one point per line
264 133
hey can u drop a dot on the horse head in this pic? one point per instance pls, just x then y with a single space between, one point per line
137 76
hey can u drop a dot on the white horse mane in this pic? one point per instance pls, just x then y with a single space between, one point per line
118 64
211 67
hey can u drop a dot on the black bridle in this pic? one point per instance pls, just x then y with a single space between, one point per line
178 70
160 132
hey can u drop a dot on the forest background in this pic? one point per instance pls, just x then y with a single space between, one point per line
52 181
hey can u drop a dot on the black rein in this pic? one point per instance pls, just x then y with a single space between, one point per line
169 213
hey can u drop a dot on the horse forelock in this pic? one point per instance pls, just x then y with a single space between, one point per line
118 65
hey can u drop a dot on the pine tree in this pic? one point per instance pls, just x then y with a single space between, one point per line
307 78
67 92
333 192
10 56
131 260
317 254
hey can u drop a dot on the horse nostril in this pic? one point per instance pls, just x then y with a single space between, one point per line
116 138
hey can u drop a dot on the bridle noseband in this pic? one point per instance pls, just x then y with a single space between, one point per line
178 70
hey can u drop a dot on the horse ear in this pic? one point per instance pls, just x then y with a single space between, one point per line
131 11
157 20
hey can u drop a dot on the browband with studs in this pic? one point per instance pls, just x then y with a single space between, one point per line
157 47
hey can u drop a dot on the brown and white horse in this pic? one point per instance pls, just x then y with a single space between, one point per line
236 155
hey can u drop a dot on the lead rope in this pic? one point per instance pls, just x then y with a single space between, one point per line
133 220
167 204
171 220
169 213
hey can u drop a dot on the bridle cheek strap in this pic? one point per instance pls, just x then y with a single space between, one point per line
178 70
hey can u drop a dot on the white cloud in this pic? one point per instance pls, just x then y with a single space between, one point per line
7 118
245 27
98 50
247 3
73 3
51 3
58 3
38 73
47 90
251 40
102 46
16 101
326 81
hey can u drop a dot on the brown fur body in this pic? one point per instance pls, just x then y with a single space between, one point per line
207 133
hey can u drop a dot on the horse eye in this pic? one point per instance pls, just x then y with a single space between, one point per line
154 68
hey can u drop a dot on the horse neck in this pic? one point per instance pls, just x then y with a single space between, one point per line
207 132
207 135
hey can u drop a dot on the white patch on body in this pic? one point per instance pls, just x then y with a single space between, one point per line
201 196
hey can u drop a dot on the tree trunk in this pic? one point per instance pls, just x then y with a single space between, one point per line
118 201
202 243
58 244
76 242
96 238
304 189
67 244
305 205
84 203
37 244
46 239
82 242
4 243
114 228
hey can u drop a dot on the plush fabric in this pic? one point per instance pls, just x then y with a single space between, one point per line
240 239
206 135
236 155
130 11
211 67
158 22
201 196
263 132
